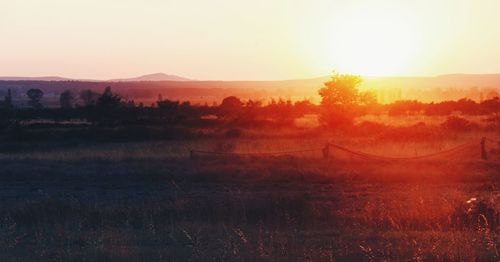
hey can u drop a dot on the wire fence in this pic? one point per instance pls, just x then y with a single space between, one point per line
330 150
258 153
367 156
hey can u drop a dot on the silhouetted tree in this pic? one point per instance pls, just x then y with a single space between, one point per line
230 106
405 107
340 96
7 103
282 111
89 97
167 105
167 108
35 95
188 111
304 106
108 110
66 99
129 104
251 104
490 106
251 112
6 110
108 100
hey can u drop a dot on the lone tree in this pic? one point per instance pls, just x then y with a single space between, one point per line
230 106
66 99
341 98
35 95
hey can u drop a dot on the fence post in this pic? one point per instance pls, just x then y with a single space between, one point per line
191 154
484 155
326 150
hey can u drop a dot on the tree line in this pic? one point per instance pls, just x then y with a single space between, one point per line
341 102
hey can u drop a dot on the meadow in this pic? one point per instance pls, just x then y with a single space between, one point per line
150 200
247 148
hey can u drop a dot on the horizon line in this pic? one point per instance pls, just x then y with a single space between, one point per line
130 79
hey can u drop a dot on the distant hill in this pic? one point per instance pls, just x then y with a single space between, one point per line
442 81
144 78
152 77
146 88
42 78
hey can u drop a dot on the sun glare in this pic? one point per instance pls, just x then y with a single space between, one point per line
381 42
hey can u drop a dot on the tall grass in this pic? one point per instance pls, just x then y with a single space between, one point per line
147 201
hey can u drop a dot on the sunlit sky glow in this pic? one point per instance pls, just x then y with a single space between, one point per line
257 39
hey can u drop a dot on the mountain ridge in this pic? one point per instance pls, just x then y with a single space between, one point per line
152 77
148 78
415 82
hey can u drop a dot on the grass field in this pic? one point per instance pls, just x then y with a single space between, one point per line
149 201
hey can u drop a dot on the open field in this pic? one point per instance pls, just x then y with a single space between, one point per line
143 201
308 130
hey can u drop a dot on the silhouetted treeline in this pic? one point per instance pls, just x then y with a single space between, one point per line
107 109
462 106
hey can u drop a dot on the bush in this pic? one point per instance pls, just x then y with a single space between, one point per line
417 132
369 128
455 123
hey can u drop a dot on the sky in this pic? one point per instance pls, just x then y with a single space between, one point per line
248 39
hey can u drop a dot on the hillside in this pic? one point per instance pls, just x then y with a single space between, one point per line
152 77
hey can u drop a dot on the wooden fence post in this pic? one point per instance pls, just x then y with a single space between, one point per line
484 155
326 151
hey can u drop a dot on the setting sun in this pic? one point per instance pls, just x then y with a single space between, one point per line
371 41
248 40
249 130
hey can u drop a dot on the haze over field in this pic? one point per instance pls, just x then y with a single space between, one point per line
441 81
388 89
249 130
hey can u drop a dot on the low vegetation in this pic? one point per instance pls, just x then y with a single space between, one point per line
112 180
147 202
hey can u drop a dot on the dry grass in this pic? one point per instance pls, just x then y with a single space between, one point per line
275 208
148 201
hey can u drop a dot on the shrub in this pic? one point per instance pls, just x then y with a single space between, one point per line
455 123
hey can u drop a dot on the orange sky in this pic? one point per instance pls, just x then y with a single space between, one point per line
258 39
